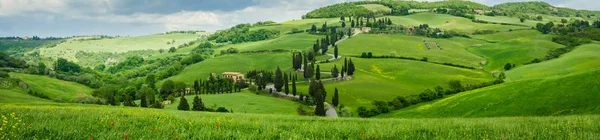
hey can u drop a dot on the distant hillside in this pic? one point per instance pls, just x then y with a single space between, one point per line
18 46
518 8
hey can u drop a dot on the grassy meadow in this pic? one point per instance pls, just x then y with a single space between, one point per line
568 95
233 63
377 8
503 36
52 87
244 102
299 41
582 59
102 122
69 48
384 79
448 22
516 51
453 50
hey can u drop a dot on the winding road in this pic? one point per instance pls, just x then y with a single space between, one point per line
331 112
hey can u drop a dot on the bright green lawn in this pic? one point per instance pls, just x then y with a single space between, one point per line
449 22
515 51
233 63
384 79
569 95
53 88
245 102
502 36
583 58
19 96
412 46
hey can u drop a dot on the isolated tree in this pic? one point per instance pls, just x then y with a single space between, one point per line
334 71
196 86
345 64
151 81
294 85
508 66
313 29
197 104
335 51
143 99
286 83
350 67
343 24
342 18
318 73
183 104
172 50
150 96
352 23
335 100
522 19
278 81
41 68
167 89
317 91
539 18
309 71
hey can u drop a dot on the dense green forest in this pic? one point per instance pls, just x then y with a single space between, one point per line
241 33
14 45
520 8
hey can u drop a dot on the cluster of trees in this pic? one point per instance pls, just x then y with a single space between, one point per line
571 35
9 61
338 10
323 44
524 9
261 78
241 33
197 105
427 95
318 92
346 70
461 11
128 63
509 66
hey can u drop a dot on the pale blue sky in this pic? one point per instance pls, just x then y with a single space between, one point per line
143 17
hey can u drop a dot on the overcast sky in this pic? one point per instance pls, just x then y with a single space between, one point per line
142 17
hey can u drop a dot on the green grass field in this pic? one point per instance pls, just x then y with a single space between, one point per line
53 88
304 24
233 63
516 51
300 41
385 79
104 122
503 36
377 8
69 48
245 102
20 96
412 46
584 58
569 95
505 19
448 22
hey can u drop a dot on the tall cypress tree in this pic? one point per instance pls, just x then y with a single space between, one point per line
198 105
286 83
335 100
196 87
143 99
350 67
317 90
278 81
335 52
183 104
294 85
318 73
334 71
345 64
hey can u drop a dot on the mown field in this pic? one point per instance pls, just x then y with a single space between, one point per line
103 122
385 79
52 87
448 22
516 51
244 102
234 63
304 24
568 95
377 8
505 19
453 50
502 36
583 59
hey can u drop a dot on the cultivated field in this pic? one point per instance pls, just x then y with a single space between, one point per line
449 22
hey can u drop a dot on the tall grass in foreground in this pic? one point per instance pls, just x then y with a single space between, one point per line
100 122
